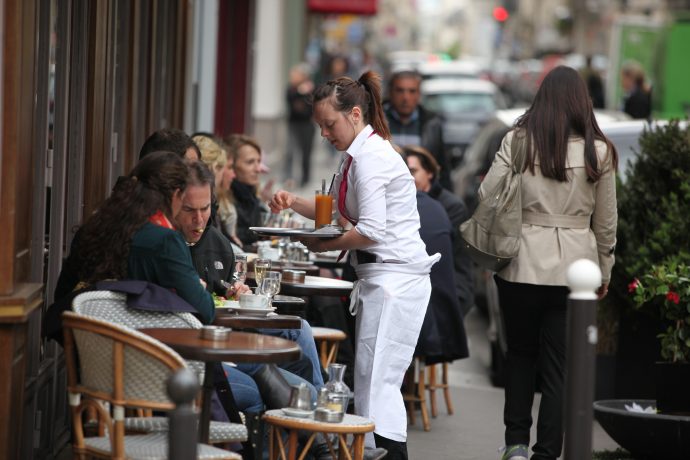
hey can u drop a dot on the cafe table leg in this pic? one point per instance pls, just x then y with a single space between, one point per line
208 389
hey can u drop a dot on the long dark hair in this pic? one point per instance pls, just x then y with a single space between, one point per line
346 93
562 107
105 238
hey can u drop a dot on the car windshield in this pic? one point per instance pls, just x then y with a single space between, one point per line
458 103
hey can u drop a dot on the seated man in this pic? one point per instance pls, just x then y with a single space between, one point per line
213 258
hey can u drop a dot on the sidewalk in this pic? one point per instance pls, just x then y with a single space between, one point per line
475 431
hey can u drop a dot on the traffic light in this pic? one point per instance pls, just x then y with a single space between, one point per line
501 14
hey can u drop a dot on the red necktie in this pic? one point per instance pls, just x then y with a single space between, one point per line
341 199
343 191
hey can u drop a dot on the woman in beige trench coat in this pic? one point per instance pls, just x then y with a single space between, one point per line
569 213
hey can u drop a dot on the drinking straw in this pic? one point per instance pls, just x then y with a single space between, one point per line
323 186
330 187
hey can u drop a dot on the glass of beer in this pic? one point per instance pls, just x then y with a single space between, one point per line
324 209
261 266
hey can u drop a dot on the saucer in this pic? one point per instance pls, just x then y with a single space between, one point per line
300 413
229 304
253 311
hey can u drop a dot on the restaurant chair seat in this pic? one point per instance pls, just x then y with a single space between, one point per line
153 446
111 366
327 342
219 432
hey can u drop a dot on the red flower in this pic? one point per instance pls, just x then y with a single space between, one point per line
632 287
673 297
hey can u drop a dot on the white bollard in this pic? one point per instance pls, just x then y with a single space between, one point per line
584 278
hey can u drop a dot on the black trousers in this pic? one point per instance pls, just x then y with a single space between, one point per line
535 321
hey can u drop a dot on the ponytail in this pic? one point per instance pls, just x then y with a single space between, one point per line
346 93
371 82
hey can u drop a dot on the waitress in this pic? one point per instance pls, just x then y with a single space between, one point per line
376 194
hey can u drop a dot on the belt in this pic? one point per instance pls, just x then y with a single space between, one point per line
555 220
364 257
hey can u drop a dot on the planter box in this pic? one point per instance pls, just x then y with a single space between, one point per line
645 435
673 388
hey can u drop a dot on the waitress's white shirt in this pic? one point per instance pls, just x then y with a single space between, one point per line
382 199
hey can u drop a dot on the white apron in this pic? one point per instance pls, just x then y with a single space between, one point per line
390 301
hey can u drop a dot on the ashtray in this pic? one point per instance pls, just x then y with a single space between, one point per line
294 276
323 414
215 332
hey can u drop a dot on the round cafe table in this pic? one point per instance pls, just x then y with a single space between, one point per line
317 285
238 321
244 347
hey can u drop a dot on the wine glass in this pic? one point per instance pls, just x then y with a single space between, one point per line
270 285
240 270
261 266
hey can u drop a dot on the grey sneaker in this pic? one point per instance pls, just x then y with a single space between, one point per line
323 453
516 452
374 454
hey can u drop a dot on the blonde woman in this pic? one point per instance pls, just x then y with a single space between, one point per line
216 155
250 210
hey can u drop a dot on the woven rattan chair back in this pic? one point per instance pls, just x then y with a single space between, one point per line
112 307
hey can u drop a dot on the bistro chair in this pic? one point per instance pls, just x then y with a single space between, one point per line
118 366
112 307
327 342
415 392
434 385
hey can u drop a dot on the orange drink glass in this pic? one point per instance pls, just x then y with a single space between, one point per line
324 209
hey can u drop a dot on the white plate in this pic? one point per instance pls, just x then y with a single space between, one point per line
301 413
253 311
229 304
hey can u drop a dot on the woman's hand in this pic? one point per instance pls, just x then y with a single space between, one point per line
314 244
281 200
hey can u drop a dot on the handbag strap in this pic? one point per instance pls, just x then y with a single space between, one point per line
517 151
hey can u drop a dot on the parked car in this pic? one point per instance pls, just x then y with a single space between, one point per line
465 106
450 69
623 132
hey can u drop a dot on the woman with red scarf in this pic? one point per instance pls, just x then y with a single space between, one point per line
131 235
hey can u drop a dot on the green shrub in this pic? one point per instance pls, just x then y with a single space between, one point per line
653 210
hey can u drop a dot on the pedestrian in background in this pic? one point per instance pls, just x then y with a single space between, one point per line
595 84
637 101
300 127
411 124
568 212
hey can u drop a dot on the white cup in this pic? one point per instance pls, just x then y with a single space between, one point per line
253 301
270 253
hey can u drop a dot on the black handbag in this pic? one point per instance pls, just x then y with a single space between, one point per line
491 236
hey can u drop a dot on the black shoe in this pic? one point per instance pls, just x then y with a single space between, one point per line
396 450
274 389
321 452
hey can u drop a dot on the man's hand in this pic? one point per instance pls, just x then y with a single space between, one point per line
236 290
